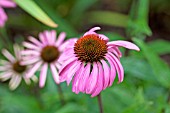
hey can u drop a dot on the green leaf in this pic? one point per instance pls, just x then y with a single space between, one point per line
160 68
160 46
34 10
139 68
108 18
138 20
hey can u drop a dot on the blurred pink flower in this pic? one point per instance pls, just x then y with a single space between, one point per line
42 53
93 61
5 4
12 69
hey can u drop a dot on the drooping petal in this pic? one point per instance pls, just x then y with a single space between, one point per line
64 73
100 81
107 74
118 66
125 44
115 50
76 80
43 75
112 70
84 78
72 71
55 73
92 80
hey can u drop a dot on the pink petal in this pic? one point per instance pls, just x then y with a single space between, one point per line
92 80
7 3
60 39
112 70
75 84
30 52
115 50
68 44
8 55
118 66
30 61
43 75
100 81
62 69
35 41
92 31
55 73
125 44
43 39
31 46
107 74
83 80
72 71
103 37
33 69
64 72
3 16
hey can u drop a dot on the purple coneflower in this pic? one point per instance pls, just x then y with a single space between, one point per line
12 69
44 53
5 4
93 62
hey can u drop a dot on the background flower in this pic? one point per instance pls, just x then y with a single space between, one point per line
44 53
12 69
5 4
93 62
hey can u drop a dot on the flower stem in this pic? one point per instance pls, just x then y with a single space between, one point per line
100 103
61 95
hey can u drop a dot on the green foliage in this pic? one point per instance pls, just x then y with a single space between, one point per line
146 86
108 18
138 20
30 7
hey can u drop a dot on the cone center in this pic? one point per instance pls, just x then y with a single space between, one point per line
18 68
50 53
90 48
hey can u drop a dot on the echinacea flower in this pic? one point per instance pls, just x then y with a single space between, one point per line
92 62
43 53
13 70
5 4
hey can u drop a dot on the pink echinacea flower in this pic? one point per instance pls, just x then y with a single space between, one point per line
43 53
13 70
5 4
92 62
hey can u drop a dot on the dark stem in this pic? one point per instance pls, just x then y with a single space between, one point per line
100 103
61 95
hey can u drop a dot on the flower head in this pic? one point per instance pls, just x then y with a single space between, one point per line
12 69
92 62
43 52
5 4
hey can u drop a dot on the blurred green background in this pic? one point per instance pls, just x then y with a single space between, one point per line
146 87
